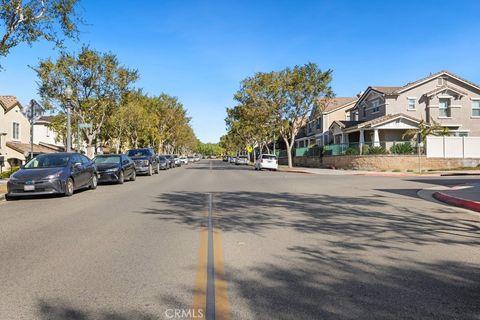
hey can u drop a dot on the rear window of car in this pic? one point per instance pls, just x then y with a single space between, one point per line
269 157
139 153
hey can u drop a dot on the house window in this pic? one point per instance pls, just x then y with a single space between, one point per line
16 131
440 82
364 110
411 104
48 132
375 107
444 108
476 108
319 124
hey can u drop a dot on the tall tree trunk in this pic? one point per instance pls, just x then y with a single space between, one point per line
289 152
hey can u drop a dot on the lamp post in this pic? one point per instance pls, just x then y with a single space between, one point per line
68 95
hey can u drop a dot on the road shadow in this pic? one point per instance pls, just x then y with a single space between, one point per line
61 310
326 283
368 222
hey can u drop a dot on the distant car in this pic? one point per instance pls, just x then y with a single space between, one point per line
177 161
115 168
191 159
241 160
184 160
225 159
197 158
171 159
54 173
164 162
233 159
266 161
146 161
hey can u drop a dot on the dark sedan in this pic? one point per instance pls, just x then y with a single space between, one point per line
115 168
164 162
60 173
145 159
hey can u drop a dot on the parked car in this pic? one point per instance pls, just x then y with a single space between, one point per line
54 173
191 159
115 168
171 160
164 162
177 161
146 161
225 158
196 158
184 160
241 160
266 161
233 159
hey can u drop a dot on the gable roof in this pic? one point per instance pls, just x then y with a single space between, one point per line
9 102
381 120
435 75
334 104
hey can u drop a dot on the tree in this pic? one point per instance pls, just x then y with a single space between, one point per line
425 129
98 81
30 21
287 97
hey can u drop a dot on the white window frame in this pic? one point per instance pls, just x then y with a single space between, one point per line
375 106
475 101
13 131
447 109
409 99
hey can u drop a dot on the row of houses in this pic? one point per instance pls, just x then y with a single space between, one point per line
380 115
15 130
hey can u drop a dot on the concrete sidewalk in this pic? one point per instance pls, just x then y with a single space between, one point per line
466 196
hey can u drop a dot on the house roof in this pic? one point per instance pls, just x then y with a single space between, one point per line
45 119
386 90
446 87
334 104
434 75
24 148
9 102
381 120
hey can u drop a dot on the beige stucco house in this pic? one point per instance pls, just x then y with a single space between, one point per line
15 133
381 115
316 130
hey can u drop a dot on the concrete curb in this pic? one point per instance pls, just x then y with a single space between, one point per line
458 202
295 171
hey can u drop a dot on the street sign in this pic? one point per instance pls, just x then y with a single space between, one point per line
85 125
34 112
249 149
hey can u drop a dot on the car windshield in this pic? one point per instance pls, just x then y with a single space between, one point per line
162 158
107 159
48 161
138 153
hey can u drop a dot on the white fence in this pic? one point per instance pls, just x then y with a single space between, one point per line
453 147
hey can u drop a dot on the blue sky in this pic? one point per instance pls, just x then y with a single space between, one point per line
199 51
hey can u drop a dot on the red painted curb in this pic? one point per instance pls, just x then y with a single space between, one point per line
459 202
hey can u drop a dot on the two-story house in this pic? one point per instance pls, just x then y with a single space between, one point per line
316 130
382 115
15 133
44 135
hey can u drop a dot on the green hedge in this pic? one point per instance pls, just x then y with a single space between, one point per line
6 174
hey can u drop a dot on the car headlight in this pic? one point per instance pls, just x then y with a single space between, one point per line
55 175
111 170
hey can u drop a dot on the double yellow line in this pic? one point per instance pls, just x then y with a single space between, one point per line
211 294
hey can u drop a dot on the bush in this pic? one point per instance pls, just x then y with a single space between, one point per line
402 148
351 152
6 174
376 150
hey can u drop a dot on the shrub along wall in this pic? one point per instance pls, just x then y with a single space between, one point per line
382 162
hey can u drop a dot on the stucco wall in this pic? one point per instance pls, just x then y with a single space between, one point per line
382 162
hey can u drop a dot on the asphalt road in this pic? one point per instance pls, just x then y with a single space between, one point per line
214 239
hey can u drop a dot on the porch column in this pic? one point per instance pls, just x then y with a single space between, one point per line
376 139
361 140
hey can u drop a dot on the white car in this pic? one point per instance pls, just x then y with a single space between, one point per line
266 161
184 160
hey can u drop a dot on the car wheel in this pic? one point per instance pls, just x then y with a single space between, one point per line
134 176
69 187
94 182
150 170
121 177
8 197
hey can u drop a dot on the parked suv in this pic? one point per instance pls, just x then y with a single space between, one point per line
146 161
266 161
